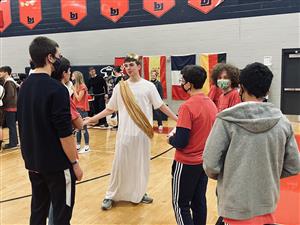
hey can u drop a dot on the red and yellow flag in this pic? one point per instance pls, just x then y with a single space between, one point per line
157 63
208 61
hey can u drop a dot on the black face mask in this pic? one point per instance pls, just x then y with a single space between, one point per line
56 66
182 86
32 66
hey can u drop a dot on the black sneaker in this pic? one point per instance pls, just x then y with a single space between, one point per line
9 147
146 199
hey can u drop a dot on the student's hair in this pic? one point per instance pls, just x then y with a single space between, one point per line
78 78
117 69
65 65
196 75
40 48
256 78
91 68
6 69
155 71
233 73
132 57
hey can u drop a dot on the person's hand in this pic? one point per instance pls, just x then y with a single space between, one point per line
88 121
172 132
78 171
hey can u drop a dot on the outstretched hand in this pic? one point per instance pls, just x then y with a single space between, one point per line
88 121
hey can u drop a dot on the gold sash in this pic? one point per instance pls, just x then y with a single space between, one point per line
134 110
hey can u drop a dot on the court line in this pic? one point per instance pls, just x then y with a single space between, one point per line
85 181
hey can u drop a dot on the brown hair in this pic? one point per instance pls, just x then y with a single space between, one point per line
233 73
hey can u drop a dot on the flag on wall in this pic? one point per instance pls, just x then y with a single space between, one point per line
119 61
73 11
158 7
157 63
205 6
114 9
208 61
5 19
177 64
30 12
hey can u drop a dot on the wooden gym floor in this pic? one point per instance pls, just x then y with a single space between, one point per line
15 187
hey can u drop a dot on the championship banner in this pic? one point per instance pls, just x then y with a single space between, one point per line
156 64
158 7
177 64
114 9
208 61
73 11
5 14
30 12
205 6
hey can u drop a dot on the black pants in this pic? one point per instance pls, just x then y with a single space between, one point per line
157 115
10 118
99 105
58 188
189 184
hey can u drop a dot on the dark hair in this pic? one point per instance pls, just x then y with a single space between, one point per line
40 48
91 68
132 57
64 67
233 73
256 78
117 69
6 69
196 75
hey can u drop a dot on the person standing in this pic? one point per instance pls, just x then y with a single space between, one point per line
98 87
133 99
47 143
157 113
189 180
10 106
250 148
80 98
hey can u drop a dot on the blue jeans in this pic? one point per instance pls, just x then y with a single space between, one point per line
10 119
83 114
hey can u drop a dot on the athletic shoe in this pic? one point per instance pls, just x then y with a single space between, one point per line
78 147
107 204
160 128
9 147
146 199
85 149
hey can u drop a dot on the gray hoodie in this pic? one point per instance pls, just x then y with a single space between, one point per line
250 147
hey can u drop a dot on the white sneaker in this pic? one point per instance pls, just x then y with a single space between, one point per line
160 128
85 149
78 147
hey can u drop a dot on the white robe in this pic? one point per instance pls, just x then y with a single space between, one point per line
131 162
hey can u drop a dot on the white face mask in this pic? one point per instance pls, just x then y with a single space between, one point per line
223 83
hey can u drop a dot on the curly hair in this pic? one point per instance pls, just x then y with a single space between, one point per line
233 73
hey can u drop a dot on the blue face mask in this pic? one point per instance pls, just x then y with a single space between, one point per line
223 83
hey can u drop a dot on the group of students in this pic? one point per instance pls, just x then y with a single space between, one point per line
247 147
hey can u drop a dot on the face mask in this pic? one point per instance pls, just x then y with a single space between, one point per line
56 64
223 83
185 90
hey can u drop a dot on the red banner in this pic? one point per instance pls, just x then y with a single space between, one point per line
73 11
5 19
158 7
114 9
30 12
205 6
